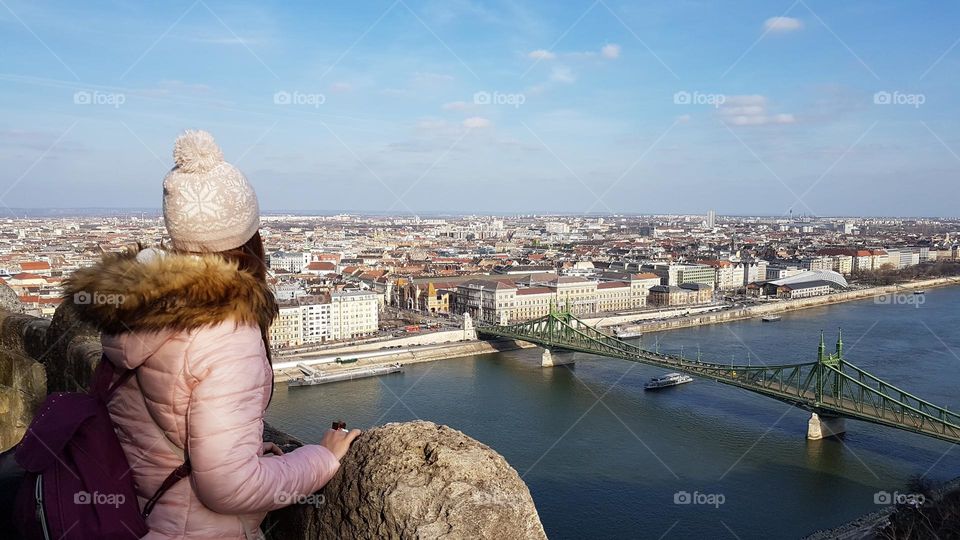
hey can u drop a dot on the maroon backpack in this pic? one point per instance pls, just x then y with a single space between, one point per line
78 483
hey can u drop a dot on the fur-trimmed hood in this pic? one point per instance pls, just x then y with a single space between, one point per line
160 290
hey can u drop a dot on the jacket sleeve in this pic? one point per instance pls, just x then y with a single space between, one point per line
225 429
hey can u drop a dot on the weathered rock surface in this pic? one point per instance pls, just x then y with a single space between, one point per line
417 480
23 386
9 301
71 353
23 381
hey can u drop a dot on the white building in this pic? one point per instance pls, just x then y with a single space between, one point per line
316 322
557 227
353 314
288 291
311 319
501 302
806 284
673 274
291 262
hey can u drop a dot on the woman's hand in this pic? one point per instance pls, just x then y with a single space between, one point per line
338 441
270 448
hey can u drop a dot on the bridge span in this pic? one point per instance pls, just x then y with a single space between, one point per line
831 388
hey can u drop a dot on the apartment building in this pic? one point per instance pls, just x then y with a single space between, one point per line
287 330
313 319
353 314
820 262
676 274
728 274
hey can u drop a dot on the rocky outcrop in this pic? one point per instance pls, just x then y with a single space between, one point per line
23 385
38 356
23 382
72 351
9 301
409 480
417 480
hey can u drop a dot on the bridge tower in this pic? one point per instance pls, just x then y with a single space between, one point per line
555 357
819 427
469 332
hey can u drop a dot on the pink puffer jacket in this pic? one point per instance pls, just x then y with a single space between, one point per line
190 327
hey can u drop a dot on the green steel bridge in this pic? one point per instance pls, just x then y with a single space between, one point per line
831 386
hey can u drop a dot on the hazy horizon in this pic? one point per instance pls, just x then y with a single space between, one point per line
65 211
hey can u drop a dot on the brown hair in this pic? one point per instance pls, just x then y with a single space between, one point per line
251 257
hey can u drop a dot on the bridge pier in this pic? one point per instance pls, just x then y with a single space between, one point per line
550 358
821 427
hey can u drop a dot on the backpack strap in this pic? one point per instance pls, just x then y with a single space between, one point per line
124 377
102 384
178 474
102 388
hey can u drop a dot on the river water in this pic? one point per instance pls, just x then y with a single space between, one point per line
605 459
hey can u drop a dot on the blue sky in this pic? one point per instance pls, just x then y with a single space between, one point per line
754 107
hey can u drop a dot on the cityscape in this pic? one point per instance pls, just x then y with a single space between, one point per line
479 269
336 275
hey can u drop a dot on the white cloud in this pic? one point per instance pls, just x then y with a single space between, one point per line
455 106
562 74
759 120
782 24
750 110
541 54
431 124
476 122
339 87
610 51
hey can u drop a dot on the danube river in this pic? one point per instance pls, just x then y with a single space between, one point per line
605 459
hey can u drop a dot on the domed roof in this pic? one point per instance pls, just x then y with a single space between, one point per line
813 275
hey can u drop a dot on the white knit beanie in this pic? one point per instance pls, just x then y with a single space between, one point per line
208 205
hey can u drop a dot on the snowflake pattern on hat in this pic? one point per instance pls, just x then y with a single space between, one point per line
208 204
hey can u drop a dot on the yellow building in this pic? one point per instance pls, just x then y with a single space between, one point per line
287 328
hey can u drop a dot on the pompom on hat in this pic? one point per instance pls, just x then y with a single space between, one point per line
208 205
